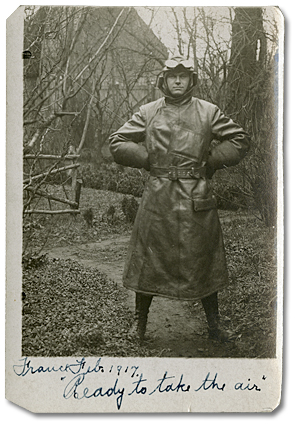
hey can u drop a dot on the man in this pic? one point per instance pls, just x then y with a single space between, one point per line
176 249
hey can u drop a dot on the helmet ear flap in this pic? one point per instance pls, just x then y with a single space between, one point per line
195 79
160 81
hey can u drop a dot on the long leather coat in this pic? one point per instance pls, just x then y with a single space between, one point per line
176 249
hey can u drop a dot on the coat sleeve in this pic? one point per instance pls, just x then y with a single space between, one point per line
234 142
124 143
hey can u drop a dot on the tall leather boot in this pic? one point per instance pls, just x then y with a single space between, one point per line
142 305
215 330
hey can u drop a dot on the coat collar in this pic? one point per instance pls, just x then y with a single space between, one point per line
184 99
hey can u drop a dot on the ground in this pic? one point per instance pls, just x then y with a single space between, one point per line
175 328
172 328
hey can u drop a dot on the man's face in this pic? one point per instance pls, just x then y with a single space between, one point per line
177 82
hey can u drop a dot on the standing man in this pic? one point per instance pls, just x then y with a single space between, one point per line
176 249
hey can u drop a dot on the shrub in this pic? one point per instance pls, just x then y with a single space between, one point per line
109 176
130 207
229 193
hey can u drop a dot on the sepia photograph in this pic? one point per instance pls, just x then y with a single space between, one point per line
151 197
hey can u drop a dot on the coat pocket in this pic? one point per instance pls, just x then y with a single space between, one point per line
200 204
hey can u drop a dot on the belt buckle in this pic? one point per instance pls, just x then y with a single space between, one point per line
172 173
194 173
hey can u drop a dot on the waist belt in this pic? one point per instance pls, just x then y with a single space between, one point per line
174 172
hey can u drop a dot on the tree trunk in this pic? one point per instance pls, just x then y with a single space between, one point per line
250 91
248 50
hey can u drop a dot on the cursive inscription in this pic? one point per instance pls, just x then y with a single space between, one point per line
81 381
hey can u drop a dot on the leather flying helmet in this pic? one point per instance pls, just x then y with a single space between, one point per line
177 62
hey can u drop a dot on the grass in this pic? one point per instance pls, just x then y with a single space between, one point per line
250 300
72 310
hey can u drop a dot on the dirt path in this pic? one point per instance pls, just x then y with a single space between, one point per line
175 328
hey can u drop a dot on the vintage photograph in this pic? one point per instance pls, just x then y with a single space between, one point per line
144 209
150 156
